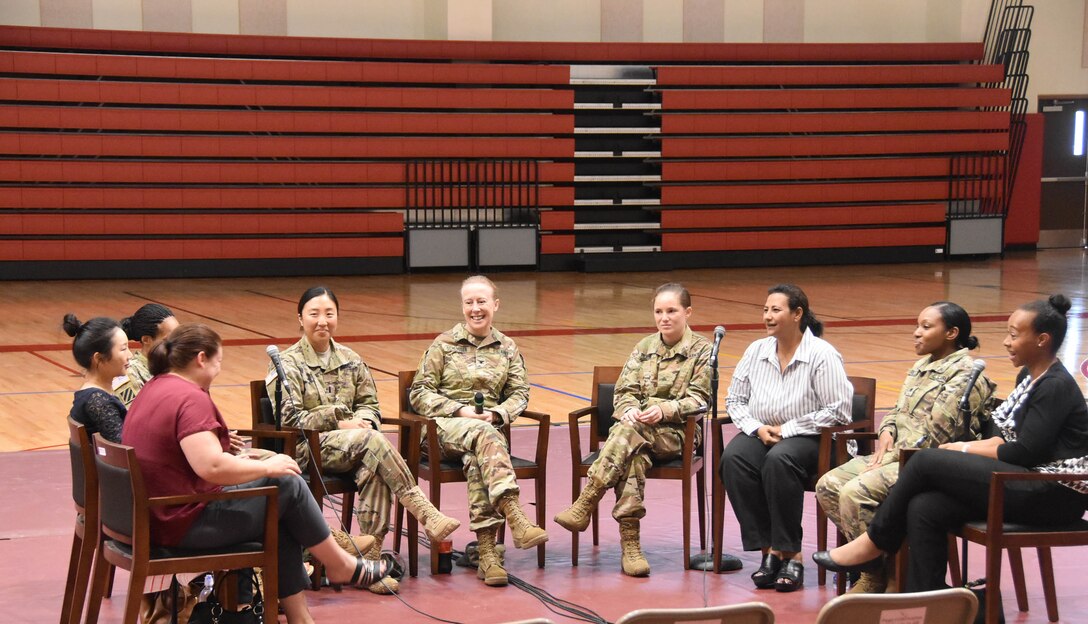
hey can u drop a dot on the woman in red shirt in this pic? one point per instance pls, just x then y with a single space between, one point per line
183 446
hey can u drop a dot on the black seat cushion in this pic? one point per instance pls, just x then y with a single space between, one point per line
1011 527
164 552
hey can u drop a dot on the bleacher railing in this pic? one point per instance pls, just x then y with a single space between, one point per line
458 193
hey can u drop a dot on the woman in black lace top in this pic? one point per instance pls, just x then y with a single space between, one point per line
101 348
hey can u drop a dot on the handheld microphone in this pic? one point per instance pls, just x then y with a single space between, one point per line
719 333
976 371
478 401
274 353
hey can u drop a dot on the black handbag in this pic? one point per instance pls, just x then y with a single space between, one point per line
211 611
980 616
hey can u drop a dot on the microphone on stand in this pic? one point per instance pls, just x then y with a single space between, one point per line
478 402
281 381
719 333
976 371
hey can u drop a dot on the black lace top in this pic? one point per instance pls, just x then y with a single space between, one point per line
100 411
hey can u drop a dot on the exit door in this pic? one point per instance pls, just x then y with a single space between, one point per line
1064 206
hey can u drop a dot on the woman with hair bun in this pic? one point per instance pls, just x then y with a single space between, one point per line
1042 427
149 326
927 414
785 388
101 349
183 447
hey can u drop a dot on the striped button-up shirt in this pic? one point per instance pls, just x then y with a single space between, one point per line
811 393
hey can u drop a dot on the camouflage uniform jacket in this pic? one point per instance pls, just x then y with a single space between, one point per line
676 378
457 365
319 396
929 403
137 375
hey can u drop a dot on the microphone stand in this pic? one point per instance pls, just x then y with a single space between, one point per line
705 560
277 407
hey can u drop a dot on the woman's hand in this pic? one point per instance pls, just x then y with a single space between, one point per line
630 415
651 415
280 466
237 443
470 412
354 424
883 444
769 435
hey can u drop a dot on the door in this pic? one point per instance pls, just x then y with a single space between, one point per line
1064 206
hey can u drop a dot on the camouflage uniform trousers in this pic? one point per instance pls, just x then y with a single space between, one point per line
850 495
379 473
626 456
486 462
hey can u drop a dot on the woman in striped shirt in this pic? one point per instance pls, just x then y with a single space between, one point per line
786 387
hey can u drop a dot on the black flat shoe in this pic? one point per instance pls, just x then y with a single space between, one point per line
791 577
767 574
824 560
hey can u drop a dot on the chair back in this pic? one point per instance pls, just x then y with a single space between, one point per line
864 406
603 396
84 475
744 613
120 486
262 415
404 386
945 606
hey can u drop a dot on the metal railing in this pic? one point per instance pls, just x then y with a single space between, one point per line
460 193
981 185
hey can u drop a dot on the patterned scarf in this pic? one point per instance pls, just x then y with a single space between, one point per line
1005 418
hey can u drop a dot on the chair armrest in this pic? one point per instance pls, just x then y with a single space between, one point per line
289 436
842 437
544 426
905 455
827 436
182 499
575 434
691 421
430 441
995 519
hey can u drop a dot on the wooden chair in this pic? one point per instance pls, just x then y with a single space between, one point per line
744 613
600 413
125 538
85 538
862 413
423 464
945 606
995 535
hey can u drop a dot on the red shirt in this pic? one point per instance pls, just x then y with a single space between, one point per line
167 410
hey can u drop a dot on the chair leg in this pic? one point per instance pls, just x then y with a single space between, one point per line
840 579
993 583
717 521
83 577
1016 564
575 490
132 600
1046 570
540 484
73 574
954 573
102 569
436 500
109 582
347 509
700 492
685 497
821 542
270 578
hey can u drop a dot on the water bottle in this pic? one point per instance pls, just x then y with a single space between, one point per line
445 556
209 587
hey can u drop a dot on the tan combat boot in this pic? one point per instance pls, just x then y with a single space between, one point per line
354 545
634 563
526 534
489 569
387 585
870 583
438 525
577 516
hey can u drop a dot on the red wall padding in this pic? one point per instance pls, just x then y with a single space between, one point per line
828 75
291 96
732 147
803 239
270 46
192 120
86 224
556 243
834 122
850 168
802 217
188 249
856 98
113 65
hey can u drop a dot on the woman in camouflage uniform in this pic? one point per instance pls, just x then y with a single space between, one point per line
666 378
475 358
329 389
149 326
927 414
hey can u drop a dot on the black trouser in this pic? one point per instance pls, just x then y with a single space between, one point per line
223 523
938 490
766 486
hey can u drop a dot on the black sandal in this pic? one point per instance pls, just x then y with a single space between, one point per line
791 577
767 574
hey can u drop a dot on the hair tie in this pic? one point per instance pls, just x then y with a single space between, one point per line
167 344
